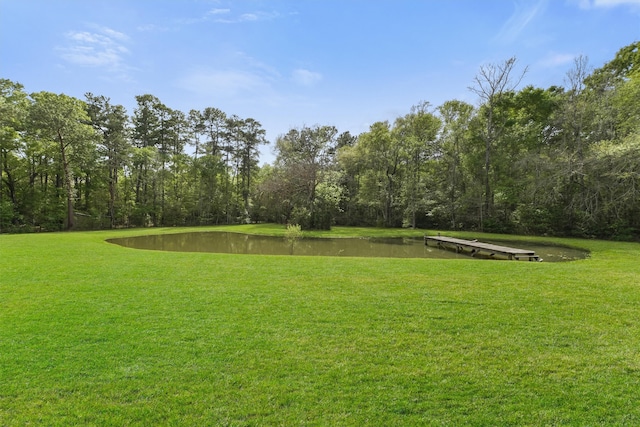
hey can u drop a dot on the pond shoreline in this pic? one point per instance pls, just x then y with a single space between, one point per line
376 247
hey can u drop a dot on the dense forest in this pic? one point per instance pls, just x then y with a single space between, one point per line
558 161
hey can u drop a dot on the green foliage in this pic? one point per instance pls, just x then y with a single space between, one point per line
305 157
534 220
301 216
60 122
557 161
7 215
293 232
624 64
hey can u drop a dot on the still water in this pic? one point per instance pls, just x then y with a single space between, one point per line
237 243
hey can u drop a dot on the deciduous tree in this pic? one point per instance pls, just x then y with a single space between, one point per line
62 120
490 84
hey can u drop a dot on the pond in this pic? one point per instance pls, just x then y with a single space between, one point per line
237 243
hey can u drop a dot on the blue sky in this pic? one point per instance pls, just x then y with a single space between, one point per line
289 63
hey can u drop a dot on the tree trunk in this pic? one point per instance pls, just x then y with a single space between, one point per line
112 196
487 165
70 222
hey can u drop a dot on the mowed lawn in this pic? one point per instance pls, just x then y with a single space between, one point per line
92 333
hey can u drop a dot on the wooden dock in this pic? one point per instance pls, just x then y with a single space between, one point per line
473 248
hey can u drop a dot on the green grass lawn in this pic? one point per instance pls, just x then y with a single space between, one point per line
92 333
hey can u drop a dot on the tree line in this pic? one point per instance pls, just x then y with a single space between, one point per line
559 160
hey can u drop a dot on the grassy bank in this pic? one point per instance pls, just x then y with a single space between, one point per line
96 334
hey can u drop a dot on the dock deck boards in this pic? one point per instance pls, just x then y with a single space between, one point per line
476 247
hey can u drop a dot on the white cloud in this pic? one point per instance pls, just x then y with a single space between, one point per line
305 77
590 4
210 15
89 57
519 20
224 83
612 3
245 60
234 73
218 11
104 48
151 28
557 59
249 17
113 34
226 16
